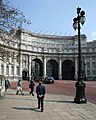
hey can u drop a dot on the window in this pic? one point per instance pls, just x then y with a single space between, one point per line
7 58
35 48
12 70
12 59
17 70
7 70
94 72
2 69
40 50
88 72
88 65
50 50
17 58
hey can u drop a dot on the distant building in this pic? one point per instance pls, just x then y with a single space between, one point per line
31 55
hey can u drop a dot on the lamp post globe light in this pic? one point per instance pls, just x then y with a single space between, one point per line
80 85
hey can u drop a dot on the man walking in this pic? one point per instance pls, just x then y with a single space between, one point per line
40 90
31 86
7 84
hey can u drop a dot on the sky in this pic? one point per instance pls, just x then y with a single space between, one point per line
55 17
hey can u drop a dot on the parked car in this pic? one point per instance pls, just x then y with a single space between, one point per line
94 78
91 78
49 80
42 78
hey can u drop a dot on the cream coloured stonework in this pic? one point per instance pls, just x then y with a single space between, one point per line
31 46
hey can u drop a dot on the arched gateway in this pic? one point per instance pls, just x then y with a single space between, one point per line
52 69
25 74
68 70
50 55
36 68
47 55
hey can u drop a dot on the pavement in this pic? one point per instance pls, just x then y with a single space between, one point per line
56 107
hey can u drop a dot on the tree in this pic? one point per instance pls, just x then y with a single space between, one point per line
11 19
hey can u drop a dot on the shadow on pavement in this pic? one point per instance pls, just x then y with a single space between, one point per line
60 101
21 108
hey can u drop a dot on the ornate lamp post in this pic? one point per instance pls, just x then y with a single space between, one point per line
80 85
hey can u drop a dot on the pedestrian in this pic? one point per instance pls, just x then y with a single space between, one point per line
31 86
7 84
19 87
40 90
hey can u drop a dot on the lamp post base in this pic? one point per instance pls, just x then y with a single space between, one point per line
80 92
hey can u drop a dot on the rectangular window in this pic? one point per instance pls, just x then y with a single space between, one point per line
17 70
17 58
12 59
2 69
94 72
12 70
7 70
88 72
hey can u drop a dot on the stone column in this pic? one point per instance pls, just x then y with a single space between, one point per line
30 67
10 66
20 67
91 67
44 68
4 69
15 67
0 65
85 63
60 69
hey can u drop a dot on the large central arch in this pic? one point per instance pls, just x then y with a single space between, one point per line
37 68
25 74
52 69
68 70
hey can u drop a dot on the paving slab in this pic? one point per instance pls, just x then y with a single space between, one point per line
56 107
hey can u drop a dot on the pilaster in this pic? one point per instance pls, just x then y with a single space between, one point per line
60 69
30 66
44 72
10 66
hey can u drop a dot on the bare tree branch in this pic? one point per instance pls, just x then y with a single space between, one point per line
11 19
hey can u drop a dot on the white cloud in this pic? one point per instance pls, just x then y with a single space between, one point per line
91 37
93 34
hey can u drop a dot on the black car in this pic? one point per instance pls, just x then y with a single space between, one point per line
93 78
49 80
42 79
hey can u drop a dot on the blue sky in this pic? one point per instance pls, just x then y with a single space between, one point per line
55 17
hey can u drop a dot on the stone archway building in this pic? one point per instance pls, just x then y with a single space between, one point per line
34 51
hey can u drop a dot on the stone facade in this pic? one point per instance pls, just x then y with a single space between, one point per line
32 55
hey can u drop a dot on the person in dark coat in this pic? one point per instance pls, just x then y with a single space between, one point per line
40 90
7 84
31 86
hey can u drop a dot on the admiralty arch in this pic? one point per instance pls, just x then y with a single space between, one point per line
32 54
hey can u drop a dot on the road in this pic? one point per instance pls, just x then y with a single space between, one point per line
65 87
